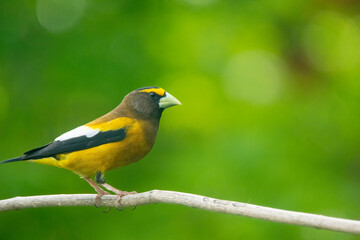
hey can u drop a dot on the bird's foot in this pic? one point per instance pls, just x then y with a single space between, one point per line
101 193
98 189
121 194
118 192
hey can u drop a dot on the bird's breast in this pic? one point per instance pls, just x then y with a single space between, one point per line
139 140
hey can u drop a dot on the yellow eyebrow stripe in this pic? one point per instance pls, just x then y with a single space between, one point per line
158 91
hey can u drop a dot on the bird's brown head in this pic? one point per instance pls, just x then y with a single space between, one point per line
149 102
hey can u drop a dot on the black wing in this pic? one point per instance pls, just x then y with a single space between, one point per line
72 145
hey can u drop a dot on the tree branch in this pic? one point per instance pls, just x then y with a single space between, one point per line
190 200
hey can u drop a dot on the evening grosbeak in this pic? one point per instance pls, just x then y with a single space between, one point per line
122 136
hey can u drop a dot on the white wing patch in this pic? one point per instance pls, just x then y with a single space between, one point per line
78 132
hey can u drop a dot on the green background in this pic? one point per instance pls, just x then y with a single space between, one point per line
270 116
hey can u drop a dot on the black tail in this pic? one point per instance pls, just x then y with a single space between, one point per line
13 160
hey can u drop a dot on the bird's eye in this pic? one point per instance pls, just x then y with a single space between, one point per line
152 94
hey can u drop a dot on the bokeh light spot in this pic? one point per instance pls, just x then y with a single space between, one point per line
59 15
255 76
331 42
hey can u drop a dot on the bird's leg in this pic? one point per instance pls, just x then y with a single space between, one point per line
100 179
117 191
98 189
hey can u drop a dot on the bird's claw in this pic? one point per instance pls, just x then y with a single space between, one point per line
108 210
119 197
98 196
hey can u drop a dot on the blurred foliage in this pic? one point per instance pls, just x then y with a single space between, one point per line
270 116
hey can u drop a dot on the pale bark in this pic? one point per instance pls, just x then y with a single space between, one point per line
190 200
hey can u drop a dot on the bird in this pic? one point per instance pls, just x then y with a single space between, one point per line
123 136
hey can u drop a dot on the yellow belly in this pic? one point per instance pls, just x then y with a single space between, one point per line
104 157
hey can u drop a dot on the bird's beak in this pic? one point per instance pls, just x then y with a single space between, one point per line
168 100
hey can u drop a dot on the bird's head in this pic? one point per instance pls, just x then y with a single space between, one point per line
149 102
